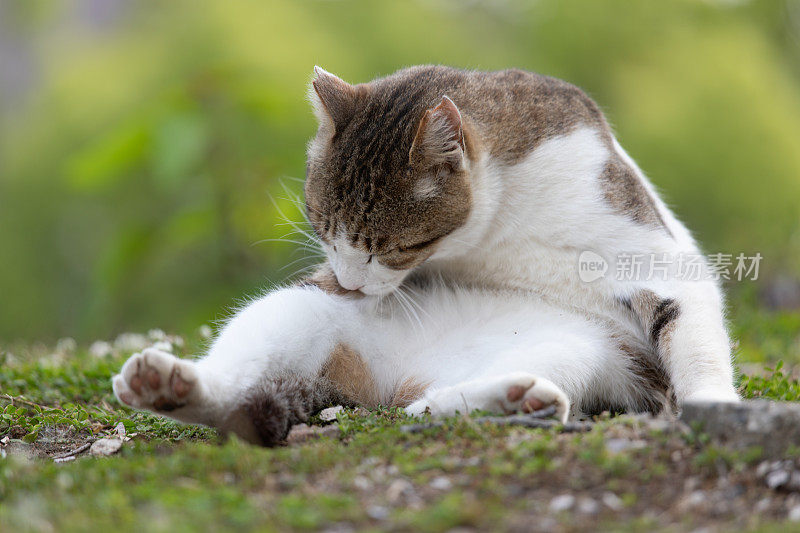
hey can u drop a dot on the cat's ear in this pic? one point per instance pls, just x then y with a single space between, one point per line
440 137
332 98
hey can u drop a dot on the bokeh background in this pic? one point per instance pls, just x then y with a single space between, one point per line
150 151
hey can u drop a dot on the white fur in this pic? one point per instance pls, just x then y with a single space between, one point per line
469 347
526 319
531 222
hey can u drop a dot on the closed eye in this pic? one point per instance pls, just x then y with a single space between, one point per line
416 247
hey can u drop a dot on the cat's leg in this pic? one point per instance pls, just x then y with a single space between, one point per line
685 323
273 348
510 393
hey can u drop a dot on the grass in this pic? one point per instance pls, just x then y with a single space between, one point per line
372 475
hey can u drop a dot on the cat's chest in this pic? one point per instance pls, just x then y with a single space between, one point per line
548 272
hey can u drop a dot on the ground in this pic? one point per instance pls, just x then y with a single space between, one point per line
367 470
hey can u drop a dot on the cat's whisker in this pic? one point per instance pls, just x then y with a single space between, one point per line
298 260
410 293
417 309
300 272
402 298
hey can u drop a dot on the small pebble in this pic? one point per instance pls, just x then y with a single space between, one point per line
101 349
377 512
398 488
329 414
164 346
561 503
696 498
156 335
103 447
612 501
131 342
66 345
441 483
588 506
303 432
621 445
762 505
777 478
361 483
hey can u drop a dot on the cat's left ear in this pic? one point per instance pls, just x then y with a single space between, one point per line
440 137
332 98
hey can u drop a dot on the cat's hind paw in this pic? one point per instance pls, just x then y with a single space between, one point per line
527 394
155 380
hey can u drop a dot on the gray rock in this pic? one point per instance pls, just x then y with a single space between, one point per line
612 501
399 488
19 448
441 483
329 414
301 433
622 445
773 426
377 512
588 506
102 447
563 502
777 479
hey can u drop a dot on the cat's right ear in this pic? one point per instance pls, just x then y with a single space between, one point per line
332 98
440 137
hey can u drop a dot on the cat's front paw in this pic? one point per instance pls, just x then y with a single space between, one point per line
155 380
527 394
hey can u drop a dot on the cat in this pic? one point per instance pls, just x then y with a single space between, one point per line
455 209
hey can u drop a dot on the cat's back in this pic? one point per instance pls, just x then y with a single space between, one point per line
510 111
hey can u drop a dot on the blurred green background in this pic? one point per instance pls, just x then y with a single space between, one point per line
141 142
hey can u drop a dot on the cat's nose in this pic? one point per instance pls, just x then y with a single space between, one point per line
349 285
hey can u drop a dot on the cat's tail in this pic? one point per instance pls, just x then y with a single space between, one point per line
273 406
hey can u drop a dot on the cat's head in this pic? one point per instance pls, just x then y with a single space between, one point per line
387 177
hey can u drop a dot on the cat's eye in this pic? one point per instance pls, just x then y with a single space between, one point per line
334 247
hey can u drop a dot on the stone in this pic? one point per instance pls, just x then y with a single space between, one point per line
361 483
441 483
563 502
777 479
103 447
588 506
773 426
399 488
101 349
20 449
302 433
621 445
329 414
377 512
612 501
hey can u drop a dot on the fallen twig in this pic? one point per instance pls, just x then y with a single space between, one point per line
74 452
19 400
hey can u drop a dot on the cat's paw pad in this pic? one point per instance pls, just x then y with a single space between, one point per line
529 394
155 380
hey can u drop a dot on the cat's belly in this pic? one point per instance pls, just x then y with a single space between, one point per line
463 333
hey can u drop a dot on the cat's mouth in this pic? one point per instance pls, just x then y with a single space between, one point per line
378 289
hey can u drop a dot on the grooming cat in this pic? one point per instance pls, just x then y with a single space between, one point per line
454 207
